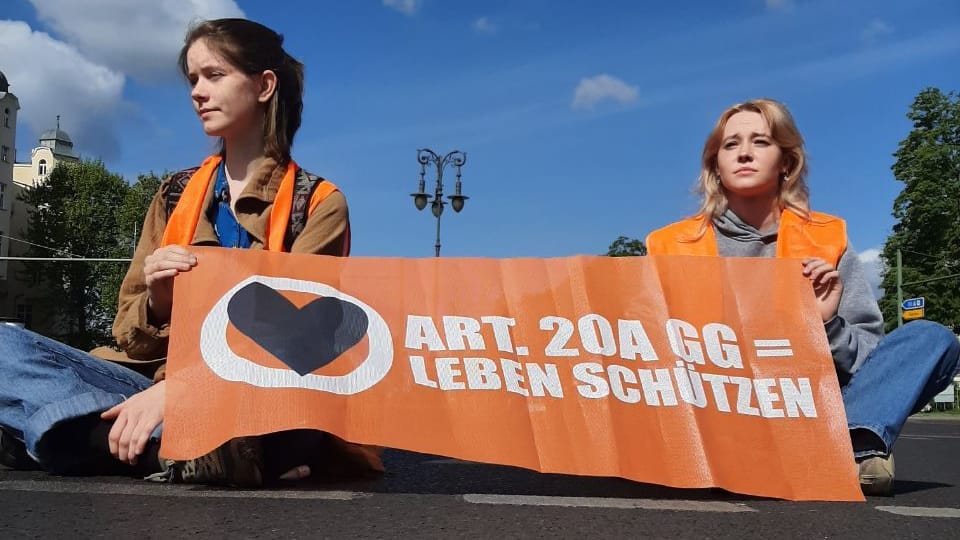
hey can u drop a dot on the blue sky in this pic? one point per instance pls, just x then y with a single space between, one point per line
551 171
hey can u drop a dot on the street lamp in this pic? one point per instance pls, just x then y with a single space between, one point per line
420 199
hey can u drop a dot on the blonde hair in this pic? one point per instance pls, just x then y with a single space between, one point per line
792 192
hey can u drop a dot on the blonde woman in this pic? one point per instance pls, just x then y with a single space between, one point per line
755 203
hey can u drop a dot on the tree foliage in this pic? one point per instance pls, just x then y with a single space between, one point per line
626 247
927 231
82 210
130 218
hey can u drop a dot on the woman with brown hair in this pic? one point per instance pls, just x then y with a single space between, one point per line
73 413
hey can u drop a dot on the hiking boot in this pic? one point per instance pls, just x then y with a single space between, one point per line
237 463
876 475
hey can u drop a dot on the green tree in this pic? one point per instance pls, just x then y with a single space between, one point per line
626 247
130 218
927 231
76 211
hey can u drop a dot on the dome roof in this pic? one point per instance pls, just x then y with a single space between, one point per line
4 85
58 141
56 135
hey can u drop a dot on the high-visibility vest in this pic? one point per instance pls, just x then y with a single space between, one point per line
294 188
822 235
291 196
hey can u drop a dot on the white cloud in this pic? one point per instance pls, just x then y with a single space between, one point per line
407 7
484 26
874 30
50 77
141 39
603 87
872 267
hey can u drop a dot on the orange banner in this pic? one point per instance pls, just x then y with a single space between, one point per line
683 371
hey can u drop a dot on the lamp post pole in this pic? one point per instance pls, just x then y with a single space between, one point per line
899 289
456 159
901 284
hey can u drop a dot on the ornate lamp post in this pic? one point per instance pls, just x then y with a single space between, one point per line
420 199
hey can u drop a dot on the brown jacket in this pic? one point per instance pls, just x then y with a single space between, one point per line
325 233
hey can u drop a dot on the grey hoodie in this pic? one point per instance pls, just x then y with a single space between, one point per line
858 326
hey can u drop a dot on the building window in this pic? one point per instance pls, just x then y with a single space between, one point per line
5 153
6 117
42 167
25 314
3 196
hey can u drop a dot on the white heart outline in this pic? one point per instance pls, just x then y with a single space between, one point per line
230 366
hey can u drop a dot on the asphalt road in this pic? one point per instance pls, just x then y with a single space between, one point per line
432 497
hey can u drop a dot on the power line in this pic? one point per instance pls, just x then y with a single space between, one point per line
63 259
55 250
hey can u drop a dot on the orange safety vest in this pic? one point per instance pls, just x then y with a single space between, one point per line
182 223
822 235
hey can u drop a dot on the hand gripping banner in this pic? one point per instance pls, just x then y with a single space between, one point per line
682 371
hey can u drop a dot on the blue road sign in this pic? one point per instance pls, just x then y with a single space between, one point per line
913 303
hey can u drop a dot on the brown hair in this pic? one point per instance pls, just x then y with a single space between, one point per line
253 48
792 192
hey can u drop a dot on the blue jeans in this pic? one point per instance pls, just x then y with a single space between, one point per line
44 383
909 366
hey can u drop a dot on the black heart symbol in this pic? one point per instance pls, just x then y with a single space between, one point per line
306 338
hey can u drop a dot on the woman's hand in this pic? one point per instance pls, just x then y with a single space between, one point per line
159 268
827 286
134 422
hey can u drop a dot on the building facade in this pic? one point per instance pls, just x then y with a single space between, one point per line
55 145
9 105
